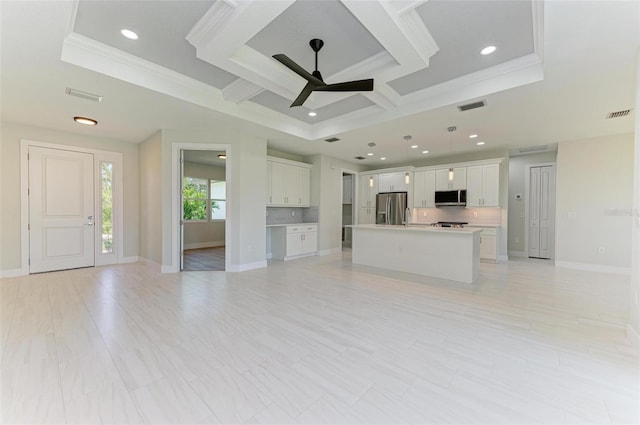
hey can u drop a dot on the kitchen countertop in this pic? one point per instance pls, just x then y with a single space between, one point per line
495 226
416 228
289 224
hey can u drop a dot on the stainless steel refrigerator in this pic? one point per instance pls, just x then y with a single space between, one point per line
391 208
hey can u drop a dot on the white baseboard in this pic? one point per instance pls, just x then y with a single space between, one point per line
247 266
128 260
632 336
324 252
13 273
203 245
518 254
149 263
594 268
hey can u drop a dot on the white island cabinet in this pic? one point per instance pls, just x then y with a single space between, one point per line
444 253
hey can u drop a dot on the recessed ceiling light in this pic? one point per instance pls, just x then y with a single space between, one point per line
425 151
473 136
414 146
382 158
312 114
370 154
488 50
85 121
129 34
480 143
222 155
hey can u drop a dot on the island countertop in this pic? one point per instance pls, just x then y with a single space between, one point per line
416 228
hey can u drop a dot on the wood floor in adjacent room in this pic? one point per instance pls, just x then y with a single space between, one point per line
204 259
317 340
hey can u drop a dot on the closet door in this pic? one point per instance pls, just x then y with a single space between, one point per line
541 211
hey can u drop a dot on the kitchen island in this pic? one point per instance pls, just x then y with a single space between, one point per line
444 253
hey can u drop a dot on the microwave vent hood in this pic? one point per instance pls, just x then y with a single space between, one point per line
451 198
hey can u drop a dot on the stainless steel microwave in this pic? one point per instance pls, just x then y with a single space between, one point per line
446 198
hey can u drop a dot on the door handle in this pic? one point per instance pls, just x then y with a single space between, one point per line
90 223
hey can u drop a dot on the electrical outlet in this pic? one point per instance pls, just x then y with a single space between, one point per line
424 213
293 213
475 214
601 250
572 214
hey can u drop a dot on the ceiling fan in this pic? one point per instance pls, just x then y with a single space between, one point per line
314 79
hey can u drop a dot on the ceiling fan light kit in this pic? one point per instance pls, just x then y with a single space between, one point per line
314 79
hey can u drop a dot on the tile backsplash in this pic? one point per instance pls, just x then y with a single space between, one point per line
491 216
279 215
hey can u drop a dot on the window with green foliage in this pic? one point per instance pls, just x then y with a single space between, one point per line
202 195
106 174
195 195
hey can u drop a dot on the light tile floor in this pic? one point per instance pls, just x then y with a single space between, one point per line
317 340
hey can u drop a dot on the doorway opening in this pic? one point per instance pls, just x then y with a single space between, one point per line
203 195
348 204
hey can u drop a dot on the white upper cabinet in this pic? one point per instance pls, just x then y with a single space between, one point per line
483 185
367 189
392 182
424 187
459 179
288 184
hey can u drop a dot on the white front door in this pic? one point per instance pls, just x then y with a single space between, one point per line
61 210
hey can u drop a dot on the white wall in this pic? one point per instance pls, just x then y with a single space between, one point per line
634 302
595 181
10 136
246 160
326 193
150 170
210 233
517 180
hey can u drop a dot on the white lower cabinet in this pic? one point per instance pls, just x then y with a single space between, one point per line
293 241
488 243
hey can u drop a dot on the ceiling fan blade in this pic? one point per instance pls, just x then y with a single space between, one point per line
283 59
304 94
358 85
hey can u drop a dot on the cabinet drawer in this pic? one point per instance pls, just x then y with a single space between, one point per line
302 228
486 231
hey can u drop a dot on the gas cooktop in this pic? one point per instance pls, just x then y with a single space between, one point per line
454 224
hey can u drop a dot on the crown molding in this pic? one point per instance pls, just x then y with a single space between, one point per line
240 90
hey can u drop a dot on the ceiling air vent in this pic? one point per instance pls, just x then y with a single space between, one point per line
473 105
360 158
331 139
83 95
618 114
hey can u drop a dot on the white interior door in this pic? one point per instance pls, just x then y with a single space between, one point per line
541 211
61 210
546 217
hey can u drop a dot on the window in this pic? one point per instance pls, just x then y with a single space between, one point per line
203 195
106 203
218 196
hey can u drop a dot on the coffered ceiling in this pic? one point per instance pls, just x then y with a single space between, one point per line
559 67
422 54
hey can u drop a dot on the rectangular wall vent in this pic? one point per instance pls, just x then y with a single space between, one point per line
533 149
83 95
473 105
360 158
618 114
331 139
